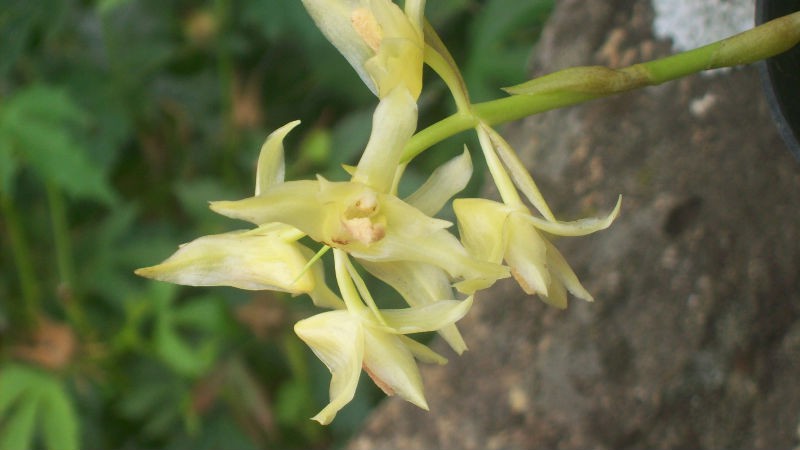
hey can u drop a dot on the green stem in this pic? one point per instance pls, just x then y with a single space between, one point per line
29 313
225 72
581 84
68 291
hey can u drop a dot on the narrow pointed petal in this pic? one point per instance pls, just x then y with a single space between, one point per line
556 294
338 341
419 284
321 294
271 168
415 10
293 203
561 270
519 174
239 259
335 20
580 227
445 182
392 366
527 256
422 352
393 123
426 318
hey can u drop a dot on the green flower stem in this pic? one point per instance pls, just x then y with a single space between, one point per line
577 85
226 75
68 291
29 313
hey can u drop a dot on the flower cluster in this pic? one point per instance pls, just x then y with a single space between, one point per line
366 224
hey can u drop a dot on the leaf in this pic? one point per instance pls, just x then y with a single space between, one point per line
42 123
59 425
17 431
204 313
8 165
14 380
176 353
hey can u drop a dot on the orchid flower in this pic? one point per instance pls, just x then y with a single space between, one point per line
383 43
360 337
363 217
508 232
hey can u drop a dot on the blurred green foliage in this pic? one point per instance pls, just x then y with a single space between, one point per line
119 120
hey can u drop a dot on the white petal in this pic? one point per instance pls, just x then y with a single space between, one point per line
271 168
337 339
239 259
445 182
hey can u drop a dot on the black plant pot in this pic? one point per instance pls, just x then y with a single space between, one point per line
781 77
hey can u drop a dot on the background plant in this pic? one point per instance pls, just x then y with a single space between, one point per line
119 119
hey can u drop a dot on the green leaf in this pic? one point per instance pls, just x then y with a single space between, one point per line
203 313
59 425
13 382
41 124
187 360
8 165
17 431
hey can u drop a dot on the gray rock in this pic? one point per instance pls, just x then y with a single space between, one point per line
694 338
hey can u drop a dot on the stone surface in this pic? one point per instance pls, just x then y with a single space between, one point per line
694 338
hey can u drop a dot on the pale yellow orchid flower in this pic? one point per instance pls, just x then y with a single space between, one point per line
383 43
265 258
495 232
363 218
359 337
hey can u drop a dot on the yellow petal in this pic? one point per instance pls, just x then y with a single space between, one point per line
415 11
270 169
419 284
391 365
423 352
337 339
526 253
430 317
560 269
482 227
239 259
294 203
445 182
580 227
335 19
393 123
321 294
519 173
